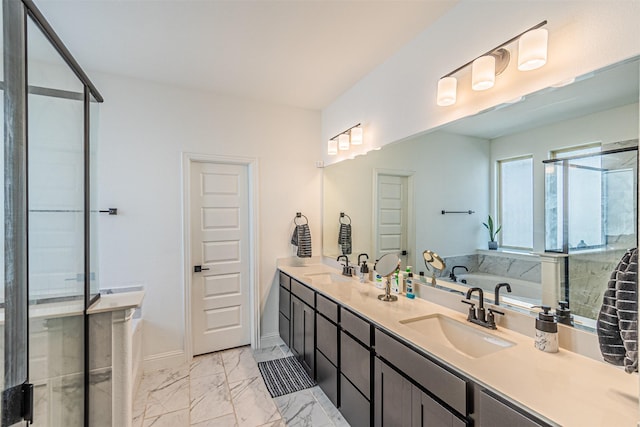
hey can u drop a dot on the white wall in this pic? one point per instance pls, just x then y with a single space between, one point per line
450 172
398 98
144 128
618 124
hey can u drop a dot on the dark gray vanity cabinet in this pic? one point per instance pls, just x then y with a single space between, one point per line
445 402
327 347
355 369
392 406
400 403
303 319
284 312
494 413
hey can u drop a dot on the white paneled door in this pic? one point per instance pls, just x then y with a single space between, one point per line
220 295
391 205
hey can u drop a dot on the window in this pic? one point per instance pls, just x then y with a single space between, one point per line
588 180
516 202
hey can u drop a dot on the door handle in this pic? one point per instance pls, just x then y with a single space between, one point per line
199 268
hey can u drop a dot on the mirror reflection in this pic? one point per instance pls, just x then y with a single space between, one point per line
556 170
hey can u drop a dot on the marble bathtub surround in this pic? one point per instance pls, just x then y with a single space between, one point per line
226 389
516 266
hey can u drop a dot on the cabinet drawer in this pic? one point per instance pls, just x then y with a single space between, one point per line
494 413
285 281
301 291
283 328
327 339
356 326
327 308
285 302
327 377
442 383
355 363
355 408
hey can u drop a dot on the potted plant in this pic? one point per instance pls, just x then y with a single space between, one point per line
493 244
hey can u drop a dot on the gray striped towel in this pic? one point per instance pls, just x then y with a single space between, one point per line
302 239
344 238
618 319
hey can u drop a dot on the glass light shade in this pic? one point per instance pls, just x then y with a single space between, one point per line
532 49
356 135
343 141
332 147
483 73
447 87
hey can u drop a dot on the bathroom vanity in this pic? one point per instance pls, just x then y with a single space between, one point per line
416 363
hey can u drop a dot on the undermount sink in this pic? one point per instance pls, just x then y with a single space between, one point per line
327 278
451 333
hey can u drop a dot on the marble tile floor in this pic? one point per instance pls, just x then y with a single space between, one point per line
226 389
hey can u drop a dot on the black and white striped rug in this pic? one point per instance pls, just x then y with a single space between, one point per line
284 376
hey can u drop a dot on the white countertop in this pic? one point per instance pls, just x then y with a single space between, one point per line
565 387
117 301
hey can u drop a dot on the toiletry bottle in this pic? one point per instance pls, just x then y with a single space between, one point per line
409 283
364 272
395 283
546 331
379 282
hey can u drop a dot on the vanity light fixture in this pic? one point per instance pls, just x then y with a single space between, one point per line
344 140
532 49
356 135
483 73
532 54
332 147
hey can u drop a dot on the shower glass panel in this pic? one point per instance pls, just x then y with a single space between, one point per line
56 234
591 215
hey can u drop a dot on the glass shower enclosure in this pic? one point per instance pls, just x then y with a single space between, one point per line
591 215
49 251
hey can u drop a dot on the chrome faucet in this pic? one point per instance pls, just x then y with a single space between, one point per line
478 316
496 297
347 270
452 275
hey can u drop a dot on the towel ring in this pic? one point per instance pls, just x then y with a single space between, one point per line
299 215
342 215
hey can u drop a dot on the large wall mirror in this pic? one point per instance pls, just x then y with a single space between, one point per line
434 191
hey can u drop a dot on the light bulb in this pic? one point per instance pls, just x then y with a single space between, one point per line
356 135
343 141
483 73
332 147
447 87
532 49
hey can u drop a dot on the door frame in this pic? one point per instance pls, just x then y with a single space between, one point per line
254 295
411 227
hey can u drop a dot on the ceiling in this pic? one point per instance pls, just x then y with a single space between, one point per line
302 53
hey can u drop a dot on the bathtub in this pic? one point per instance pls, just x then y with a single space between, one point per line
523 292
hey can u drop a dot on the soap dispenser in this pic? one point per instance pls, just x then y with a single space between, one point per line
546 331
364 272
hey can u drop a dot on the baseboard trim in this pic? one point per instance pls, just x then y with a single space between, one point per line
270 340
170 359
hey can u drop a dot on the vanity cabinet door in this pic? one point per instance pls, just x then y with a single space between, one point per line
392 407
283 328
355 408
309 347
426 412
494 413
327 377
297 329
